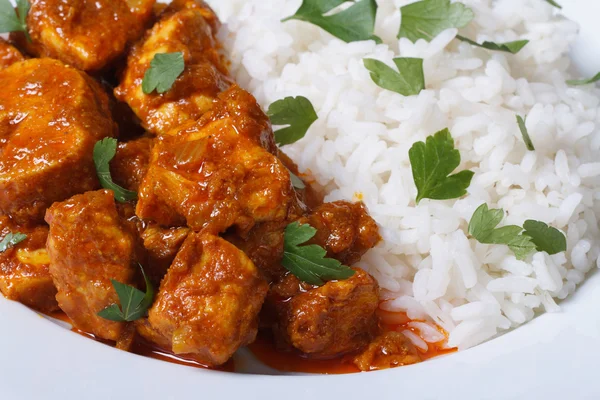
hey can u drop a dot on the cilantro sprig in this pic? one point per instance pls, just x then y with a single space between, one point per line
546 238
164 70
309 263
580 82
297 112
353 24
428 18
537 235
14 21
11 240
432 163
134 303
408 80
553 3
524 133
508 47
297 182
104 152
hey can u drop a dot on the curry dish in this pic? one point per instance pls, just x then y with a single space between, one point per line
214 195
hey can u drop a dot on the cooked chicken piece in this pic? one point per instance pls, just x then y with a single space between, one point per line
327 321
87 34
51 115
344 229
308 195
88 246
131 162
24 275
388 350
208 303
9 54
162 245
185 26
217 172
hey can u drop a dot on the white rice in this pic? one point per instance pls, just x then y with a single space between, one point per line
427 264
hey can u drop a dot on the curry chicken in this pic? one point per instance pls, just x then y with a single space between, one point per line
214 195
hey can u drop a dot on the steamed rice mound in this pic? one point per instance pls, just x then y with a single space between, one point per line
427 264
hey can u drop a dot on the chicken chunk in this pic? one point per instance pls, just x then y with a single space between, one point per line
24 274
131 162
323 322
187 26
9 54
388 350
345 230
208 303
88 246
217 172
51 115
161 245
87 34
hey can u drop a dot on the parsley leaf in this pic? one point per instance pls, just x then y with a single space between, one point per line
579 82
483 228
524 133
297 182
309 263
134 302
555 4
508 47
104 151
431 164
297 112
11 240
409 81
14 21
545 238
428 18
164 70
353 24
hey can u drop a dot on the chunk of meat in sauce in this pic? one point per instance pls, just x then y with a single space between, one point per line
308 195
9 54
162 245
51 115
208 303
87 34
388 350
218 172
130 163
24 274
345 230
328 321
188 27
88 246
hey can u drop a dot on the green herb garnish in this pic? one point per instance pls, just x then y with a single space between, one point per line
524 133
297 182
432 161
309 263
545 238
555 4
508 47
408 80
297 112
164 70
353 24
14 21
428 18
579 82
483 228
11 240
104 151
134 302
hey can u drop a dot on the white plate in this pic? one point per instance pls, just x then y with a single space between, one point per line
555 356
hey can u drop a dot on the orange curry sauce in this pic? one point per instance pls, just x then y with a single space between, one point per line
264 350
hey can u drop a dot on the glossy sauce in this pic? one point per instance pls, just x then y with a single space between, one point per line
264 350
